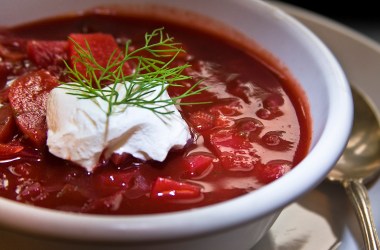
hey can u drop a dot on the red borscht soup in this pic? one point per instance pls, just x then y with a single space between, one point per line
248 128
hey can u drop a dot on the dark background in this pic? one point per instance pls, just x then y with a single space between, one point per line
364 10
361 15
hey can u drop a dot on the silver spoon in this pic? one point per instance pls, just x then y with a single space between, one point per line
359 164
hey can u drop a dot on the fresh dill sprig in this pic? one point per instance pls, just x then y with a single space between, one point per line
151 77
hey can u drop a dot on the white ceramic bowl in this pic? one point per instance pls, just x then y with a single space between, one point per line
238 223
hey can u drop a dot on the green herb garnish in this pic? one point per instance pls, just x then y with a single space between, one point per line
150 73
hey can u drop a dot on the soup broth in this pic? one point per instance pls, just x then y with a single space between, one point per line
252 129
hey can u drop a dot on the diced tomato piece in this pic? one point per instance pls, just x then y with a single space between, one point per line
47 53
202 120
102 47
196 165
27 96
167 189
7 123
9 150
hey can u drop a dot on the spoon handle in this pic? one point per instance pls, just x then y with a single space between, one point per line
358 196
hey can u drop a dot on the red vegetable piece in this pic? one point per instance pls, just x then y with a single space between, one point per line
202 120
119 159
104 205
196 165
274 100
9 150
274 140
243 160
223 121
168 189
235 151
3 74
27 96
7 124
72 195
111 181
269 113
102 47
249 128
228 140
272 170
24 170
32 191
47 53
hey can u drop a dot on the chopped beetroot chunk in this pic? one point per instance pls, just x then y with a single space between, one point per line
241 160
3 74
47 53
249 128
272 170
32 191
105 204
196 165
235 151
168 189
9 150
274 140
228 140
202 120
110 181
7 124
102 47
27 96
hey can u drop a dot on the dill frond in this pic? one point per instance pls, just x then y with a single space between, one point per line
152 75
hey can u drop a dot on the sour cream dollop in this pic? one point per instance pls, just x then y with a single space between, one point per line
80 131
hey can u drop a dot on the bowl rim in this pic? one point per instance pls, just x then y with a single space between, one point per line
152 227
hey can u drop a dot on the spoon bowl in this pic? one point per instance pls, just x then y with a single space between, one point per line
360 163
